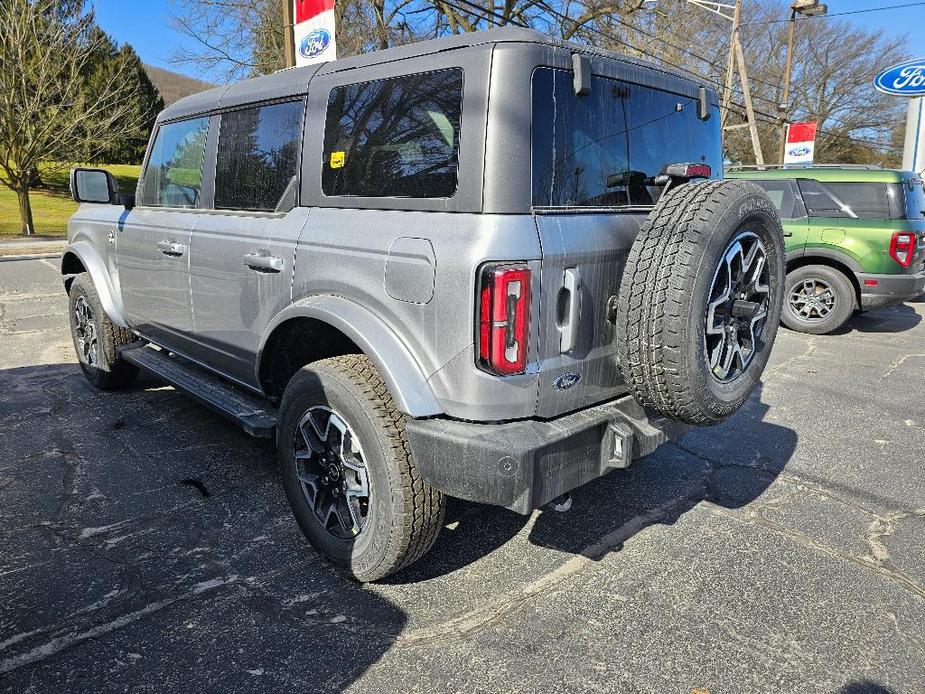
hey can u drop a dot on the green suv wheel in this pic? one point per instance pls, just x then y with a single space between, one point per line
819 300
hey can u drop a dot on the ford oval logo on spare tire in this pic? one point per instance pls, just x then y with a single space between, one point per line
315 43
566 381
905 79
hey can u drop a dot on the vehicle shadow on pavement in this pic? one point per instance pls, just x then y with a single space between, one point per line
865 687
147 544
895 319
729 465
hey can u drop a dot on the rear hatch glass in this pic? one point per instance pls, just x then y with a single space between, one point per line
598 150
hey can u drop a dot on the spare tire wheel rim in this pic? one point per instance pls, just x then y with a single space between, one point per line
737 308
812 300
332 472
85 332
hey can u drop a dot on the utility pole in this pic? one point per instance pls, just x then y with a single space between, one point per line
730 67
288 36
807 8
732 13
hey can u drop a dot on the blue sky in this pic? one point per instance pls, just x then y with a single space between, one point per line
147 25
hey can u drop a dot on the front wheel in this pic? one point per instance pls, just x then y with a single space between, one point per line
97 339
348 472
819 300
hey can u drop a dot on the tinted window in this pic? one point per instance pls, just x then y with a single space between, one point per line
786 198
664 129
173 177
854 200
258 152
394 138
915 199
600 149
579 143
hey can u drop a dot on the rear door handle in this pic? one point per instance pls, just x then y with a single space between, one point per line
570 317
171 248
263 263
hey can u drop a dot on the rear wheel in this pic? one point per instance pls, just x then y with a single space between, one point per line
97 339
348 472
819 299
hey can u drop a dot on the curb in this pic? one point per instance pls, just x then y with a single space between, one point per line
34 256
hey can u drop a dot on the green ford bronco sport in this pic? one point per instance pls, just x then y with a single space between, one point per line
855 240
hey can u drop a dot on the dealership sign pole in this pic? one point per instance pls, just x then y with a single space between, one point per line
908 79
314 31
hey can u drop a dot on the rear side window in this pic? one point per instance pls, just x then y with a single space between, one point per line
602 149
854 200
394 138
786 198
173 177
915 199
258 154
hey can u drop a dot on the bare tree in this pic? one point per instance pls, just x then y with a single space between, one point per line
46 48
831 76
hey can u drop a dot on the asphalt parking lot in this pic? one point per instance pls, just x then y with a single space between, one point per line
147 545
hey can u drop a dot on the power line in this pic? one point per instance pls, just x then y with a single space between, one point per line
836 14
734 106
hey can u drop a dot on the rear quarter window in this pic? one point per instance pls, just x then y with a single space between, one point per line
853 200
397 137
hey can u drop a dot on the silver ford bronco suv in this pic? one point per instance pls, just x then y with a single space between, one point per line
493 266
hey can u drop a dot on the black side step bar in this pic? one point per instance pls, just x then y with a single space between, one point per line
257 417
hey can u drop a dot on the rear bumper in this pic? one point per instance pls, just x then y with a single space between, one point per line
522 465
890 289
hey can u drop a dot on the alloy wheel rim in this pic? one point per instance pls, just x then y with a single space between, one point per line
812 300
737 310
85 332
332 472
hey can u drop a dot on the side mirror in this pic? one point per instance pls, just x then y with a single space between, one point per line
94 185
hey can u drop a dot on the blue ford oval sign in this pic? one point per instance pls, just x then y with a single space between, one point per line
315 43
905 79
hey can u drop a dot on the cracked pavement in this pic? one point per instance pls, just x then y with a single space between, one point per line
148 547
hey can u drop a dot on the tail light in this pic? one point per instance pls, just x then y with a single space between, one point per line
902 248
504 318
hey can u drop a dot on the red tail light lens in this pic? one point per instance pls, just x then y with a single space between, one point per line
902 248
504 318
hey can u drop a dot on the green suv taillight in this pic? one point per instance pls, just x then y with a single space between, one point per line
902 248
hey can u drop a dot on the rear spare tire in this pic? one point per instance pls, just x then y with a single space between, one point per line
700 300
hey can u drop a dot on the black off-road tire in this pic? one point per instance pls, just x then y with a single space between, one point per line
405 514
110 371
841 287
665 291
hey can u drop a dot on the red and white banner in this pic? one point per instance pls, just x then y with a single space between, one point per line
801 143
314 31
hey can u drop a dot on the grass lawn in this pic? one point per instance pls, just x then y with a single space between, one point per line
52 204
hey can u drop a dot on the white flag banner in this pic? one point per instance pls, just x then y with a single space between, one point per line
800 145
314 31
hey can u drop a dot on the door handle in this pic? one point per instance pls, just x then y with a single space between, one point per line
171 248
263 263
569 310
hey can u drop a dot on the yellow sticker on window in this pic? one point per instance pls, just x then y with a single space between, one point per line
337 160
